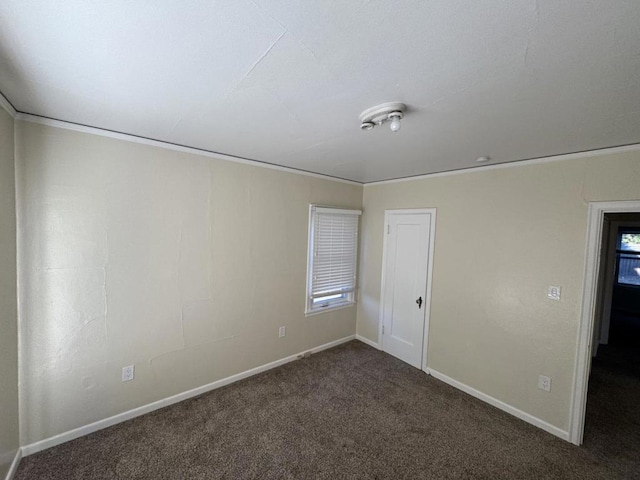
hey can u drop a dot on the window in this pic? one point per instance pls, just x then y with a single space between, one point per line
628 257
332 258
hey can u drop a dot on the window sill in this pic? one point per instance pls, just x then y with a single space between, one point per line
319 311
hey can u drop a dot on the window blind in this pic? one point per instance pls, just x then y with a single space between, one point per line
335 248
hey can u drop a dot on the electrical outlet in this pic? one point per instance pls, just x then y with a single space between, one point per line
282 331
544 383
127 373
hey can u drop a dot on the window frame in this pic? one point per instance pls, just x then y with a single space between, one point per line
316 305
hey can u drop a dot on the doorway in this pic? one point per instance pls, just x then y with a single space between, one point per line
407 265
602 320
617 320
612 419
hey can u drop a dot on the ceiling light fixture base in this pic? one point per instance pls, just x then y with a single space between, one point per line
391 111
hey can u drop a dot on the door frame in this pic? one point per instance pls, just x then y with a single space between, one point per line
427 302
597 211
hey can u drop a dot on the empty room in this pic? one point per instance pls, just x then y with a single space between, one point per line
369 239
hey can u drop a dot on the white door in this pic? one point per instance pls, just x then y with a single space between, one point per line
405 291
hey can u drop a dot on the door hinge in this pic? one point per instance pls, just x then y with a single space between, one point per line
383 329
388 229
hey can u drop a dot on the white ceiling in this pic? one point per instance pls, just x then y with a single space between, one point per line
283 81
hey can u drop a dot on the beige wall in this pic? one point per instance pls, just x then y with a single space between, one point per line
502 237
186 266
180 264
8 314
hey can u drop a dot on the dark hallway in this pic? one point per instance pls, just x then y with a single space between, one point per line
612 426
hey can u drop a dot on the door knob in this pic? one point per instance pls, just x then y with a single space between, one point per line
419 302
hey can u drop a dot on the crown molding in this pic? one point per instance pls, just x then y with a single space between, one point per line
52 122
635 147
27 117
6 104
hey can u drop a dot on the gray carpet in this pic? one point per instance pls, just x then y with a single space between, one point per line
348 412
612 428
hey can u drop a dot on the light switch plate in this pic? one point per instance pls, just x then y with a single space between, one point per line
553 292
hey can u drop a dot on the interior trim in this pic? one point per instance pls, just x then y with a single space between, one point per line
150 407
6 104
366 341
634 147
583 357
52 122
535 421
14 465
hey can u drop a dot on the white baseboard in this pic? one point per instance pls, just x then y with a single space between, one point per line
371 343
136 412
14 465
501 405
